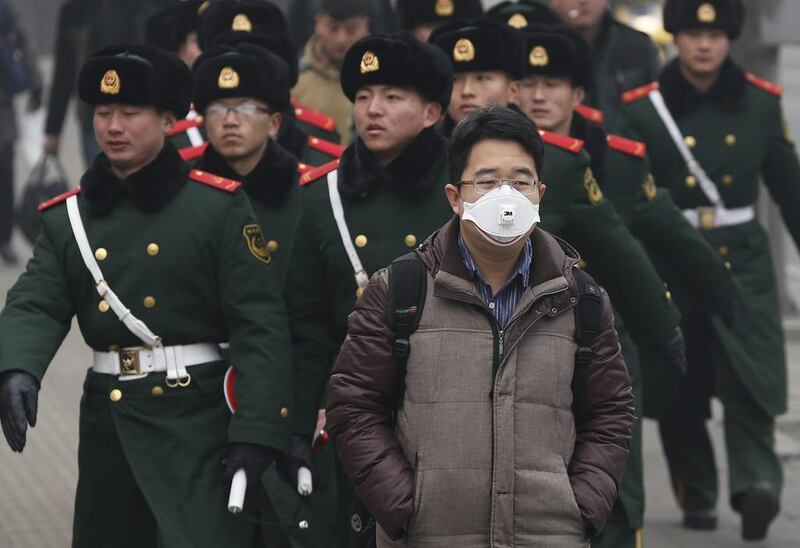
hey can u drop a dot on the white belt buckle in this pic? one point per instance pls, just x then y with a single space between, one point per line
706 217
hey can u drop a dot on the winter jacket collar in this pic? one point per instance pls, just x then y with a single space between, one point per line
268 183
314 59
681 97
150 189
411 174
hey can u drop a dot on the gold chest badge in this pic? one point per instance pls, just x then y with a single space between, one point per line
464 51
110 83
592 188
706 13
255 242
241 23
538 57
228 78
518 21
369 62
445 8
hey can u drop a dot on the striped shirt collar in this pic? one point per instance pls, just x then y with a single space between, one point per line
522 270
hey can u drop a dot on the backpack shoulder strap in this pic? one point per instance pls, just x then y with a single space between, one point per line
588 316
408 285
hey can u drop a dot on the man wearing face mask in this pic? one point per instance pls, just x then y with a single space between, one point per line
713 131
379 201
491 446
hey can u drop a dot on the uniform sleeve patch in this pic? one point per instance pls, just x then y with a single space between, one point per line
562 141
592 188
628 146
313 117
58 199
327 147
255 243
591 114
220 183
317 173
638 93
766 85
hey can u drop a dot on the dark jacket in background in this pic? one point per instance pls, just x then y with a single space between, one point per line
624 59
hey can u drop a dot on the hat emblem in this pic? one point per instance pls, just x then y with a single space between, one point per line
518 21
369 62
228 78
110 83
706 13
241 23
539 57
445 8
464 50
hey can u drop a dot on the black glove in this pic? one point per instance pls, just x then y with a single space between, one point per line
674 352
255 459
34 99
19 400
300 454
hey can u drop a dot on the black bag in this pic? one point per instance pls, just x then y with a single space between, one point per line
408 280
38 189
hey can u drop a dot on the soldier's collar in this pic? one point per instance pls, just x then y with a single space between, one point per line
150 188
681 96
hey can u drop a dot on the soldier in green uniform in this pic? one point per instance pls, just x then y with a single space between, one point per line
359 213
174 28
522 13
421 17
712 130
560 73
160 266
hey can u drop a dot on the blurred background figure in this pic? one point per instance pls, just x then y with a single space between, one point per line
624 57
174 28
18 73
337 26
421 17
85 26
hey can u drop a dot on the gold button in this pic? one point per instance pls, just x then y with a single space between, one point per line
284 412
691 181
115 395
298 112
730 139
410 240
149 302
723 250
361 241
359 292
152 249
101 253
272 246
157 391
103 306
727 180
728 265
668 295
690 141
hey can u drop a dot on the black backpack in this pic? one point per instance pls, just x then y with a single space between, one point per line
408 286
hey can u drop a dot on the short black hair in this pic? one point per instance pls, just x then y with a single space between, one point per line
344 9
493 122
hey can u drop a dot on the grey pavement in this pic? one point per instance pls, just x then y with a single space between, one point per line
37 488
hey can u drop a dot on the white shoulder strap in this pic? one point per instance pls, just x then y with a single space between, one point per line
362 279
135 325
706 185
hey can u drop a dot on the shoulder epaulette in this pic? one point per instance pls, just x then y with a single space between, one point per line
318 172
638 93
193 153
329 148
628 146
591 114
58 199
304 168
562 141
220 183
313 117
183 125
766 85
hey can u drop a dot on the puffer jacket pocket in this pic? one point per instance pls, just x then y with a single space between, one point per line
576 511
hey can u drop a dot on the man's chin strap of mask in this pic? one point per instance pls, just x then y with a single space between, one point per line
503 216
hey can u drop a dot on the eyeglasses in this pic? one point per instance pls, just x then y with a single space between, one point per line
243 110
484 186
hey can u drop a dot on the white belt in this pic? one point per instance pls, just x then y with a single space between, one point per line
715 217
137 362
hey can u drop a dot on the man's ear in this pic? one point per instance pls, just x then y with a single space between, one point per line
513 89
578 95
454 197
276 118
433 113
169 120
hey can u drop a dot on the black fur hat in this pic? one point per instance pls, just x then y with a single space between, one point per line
481 45
522 13
136 75
581 70
724 15
246 70
399 60
413 13
253 21
169 27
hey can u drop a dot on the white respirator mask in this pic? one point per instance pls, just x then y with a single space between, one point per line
503 216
